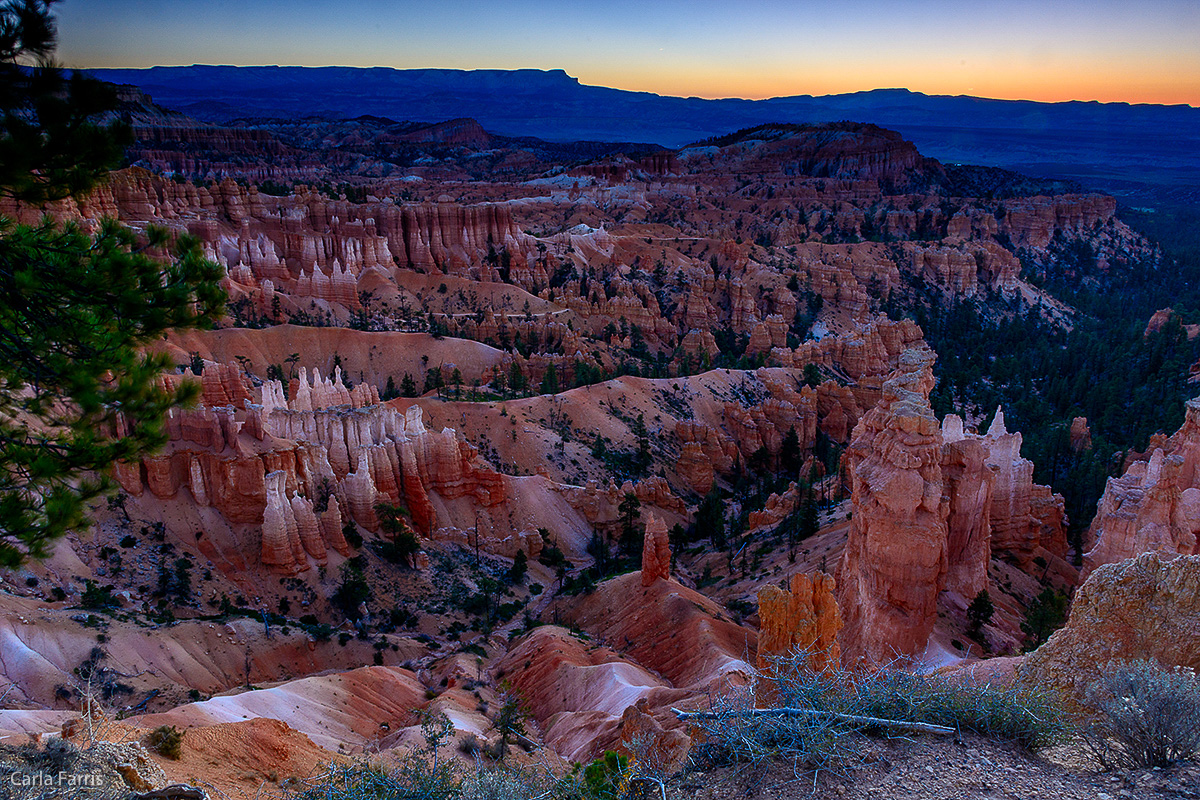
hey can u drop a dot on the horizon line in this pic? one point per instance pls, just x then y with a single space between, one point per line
641 91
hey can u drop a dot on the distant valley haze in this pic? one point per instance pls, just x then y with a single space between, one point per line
1099 91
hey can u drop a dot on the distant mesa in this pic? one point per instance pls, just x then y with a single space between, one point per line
1099 142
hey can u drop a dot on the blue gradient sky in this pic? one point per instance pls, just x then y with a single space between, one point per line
1147 51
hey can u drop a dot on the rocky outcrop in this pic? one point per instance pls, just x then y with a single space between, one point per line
896 557
1034 221
1026 518
643 737
1081 435
656 551
695 468
224 385
281 548
969 484
1146 510
775 509
801 619
267 465
1142 608
1155 505
932 505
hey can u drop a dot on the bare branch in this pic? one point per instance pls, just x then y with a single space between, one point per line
923 727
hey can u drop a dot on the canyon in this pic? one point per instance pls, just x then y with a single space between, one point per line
612 429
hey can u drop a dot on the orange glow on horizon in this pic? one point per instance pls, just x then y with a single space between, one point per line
1104 50
1085 84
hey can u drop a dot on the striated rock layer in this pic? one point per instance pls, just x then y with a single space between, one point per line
896 557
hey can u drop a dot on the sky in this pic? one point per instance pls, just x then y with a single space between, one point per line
1138 51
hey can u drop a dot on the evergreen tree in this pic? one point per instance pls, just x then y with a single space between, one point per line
520 565
516 379
812 375
630 511
51 144
433 380
789 454
76 310
979 613
810 521
710 519
404 544
512 716
550 380
597 548
1044 616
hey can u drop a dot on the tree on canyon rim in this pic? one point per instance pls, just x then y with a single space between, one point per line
76 308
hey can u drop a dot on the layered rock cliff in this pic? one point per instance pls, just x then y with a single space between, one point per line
932 504
1155 505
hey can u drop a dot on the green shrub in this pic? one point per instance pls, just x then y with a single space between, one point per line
97 598
833 703
602 777
353 590
1045 615
351 535
166 740
1146 716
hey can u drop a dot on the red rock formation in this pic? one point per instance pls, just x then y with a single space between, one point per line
282 550
775 509
576 692
1145 510
969 484
695 468
1158 321
670 629
330 522
1081 435
804 619
1025 518
1155 505
1034 221
895 561
660 750
656 551
364 451
224 385
931 505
